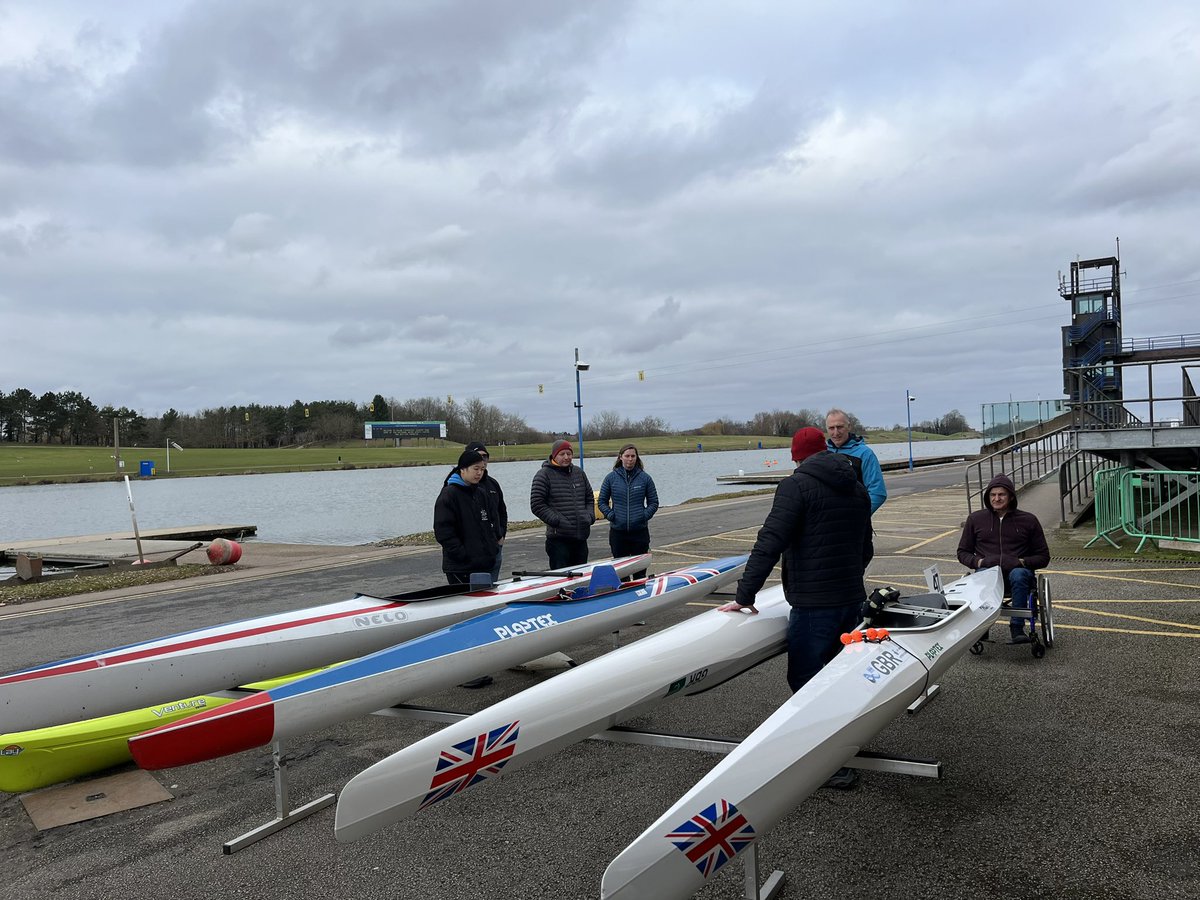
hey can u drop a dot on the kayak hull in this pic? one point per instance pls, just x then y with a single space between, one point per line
687 658
504 637
44 756
223 656
815 732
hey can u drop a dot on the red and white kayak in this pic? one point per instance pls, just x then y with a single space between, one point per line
816 731
504 637
684 659
222 656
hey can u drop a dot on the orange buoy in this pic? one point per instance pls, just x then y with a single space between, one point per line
222 552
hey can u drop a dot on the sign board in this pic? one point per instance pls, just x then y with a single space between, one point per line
373 430
933 578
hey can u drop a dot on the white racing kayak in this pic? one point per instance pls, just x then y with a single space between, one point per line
687 658
514 634
806 740
222 656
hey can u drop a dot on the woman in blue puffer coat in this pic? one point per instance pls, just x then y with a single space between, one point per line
628 499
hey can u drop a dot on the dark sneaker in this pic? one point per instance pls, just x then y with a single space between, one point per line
1021 638
843 779
480 682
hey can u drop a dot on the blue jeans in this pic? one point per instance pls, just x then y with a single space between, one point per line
1020 583
499 562
814 638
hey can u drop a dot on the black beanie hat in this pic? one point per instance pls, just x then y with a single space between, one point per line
469 458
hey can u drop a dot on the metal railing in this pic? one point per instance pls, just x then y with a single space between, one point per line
1162 342
1149 504
1024 462
1076 483
1090 322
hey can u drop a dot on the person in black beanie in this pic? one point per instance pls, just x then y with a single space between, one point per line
496 507
462 521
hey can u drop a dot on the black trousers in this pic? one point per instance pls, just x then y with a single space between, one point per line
564 551
629 543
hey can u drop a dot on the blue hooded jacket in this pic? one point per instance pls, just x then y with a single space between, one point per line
871 472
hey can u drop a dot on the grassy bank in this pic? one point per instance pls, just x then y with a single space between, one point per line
48 464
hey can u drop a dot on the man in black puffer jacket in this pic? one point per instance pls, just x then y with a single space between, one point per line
820 522
561 496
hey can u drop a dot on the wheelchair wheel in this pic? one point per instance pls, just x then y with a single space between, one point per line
1037 650
1045 610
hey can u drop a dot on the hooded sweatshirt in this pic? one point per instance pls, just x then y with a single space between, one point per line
1010 541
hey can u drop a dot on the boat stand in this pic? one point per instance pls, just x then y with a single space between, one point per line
865 760
283 816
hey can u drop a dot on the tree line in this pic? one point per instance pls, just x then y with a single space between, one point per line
70 418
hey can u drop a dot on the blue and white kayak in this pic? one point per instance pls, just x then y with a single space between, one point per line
222 656
688 658
816 731
505 637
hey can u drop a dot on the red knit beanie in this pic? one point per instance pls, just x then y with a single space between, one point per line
806 442
558 447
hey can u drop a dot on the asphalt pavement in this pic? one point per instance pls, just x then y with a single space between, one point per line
1068 776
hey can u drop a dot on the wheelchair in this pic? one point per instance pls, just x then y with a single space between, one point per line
1040 615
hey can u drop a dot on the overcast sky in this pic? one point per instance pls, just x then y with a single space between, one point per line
760 205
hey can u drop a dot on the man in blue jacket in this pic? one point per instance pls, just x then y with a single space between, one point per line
839 439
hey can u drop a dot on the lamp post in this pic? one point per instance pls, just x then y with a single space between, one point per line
579 367
170 444
908 399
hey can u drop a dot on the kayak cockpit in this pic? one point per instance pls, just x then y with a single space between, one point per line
919 611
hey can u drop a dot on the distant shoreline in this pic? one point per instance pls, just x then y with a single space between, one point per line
41 464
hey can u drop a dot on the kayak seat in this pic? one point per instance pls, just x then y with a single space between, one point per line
604 580
481 581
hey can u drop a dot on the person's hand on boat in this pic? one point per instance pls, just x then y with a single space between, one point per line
737 607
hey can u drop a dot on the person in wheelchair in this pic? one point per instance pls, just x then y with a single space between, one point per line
1002 535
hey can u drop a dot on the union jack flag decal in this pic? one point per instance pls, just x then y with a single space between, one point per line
693 575
471 761
713 836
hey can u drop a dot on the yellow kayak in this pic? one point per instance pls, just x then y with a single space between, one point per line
44 756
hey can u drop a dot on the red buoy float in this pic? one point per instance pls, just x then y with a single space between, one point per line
222 552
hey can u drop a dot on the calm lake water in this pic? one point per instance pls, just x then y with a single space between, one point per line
356 506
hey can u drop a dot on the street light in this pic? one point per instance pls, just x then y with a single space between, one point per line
908 399
579 367
170 444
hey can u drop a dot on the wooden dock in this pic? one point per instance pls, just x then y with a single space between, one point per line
119 547
774 476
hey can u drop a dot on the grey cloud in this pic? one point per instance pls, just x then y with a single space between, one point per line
432 329
254 233
1162 169
360 334
642 161
19 241
456 76
439 245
